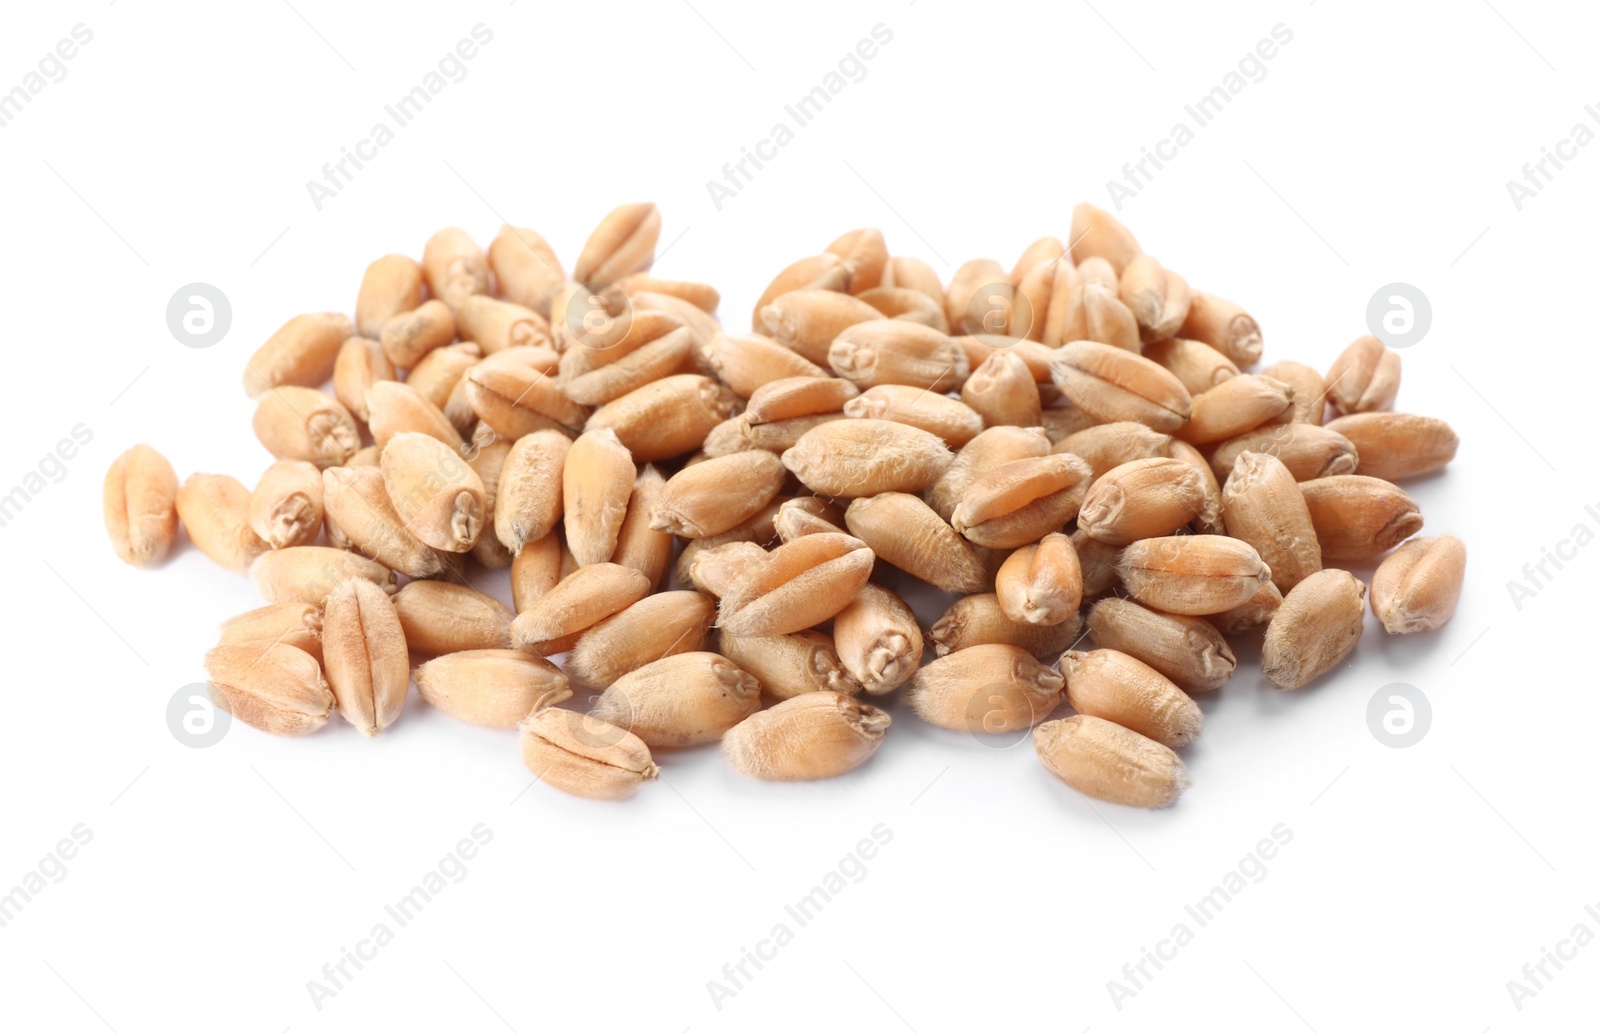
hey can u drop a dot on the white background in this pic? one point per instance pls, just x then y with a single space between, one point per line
219 881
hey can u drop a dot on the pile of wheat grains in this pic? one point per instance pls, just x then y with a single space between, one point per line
708 528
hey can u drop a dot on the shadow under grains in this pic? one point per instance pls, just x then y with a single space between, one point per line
1412 653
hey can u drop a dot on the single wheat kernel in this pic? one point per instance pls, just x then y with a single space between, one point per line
801 584
1113 685
791 397
409 336
539 358
1108 762
807 321
434 491
1359 518
1044 251
991 449
702 296
1002 392
1022 501
1041 583
301 353
215 511
747 361
966 312
1195 574
455 266
878 640
140 505
597 482
302 423
395 408
1188 650
495 688
894 351
1364 378
360 364
286 506
1097 233
496 325
1209 519
294 624
787 665
576 603
1317 626
681 700
1235 406
666 418
1224 326
711 497
367 457
1417 588
865 254
977 620
1310 390
1043 302
714 568
903 531
1158 298
951 420
487 456
813 735
529 501
988 689
623 243
1308 450
440 372
525 268
1175 302
854 458
1109 445
1098 562
364 654
1142 287
740 435
979 348
536 569
1197 365
1113 384
439 618
1395 446
905 303
1262 505
307 573
807 514
656 626
1145 498
915 274
584 756
391 285
359 513
278 689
